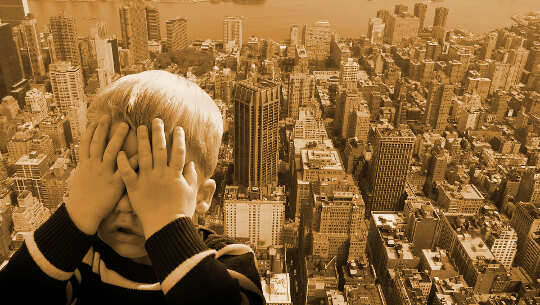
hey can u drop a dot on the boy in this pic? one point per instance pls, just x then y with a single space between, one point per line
125 236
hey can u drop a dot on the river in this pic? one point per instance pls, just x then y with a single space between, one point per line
273 18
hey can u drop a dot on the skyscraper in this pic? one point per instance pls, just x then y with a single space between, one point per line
295 35
441 15
64 32
349 72
176 34
232 31
298 94
133 28
11 72
376 30
256 139
400 27
317 38
153 23
420 10
104 55
253 215
13 11
438 105
68 91
31 48
490 42
389 168
348 103
29 171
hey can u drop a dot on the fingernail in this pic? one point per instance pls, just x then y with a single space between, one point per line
124 125
141 129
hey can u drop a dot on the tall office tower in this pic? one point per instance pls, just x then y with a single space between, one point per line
153 23
30 213
517 58
256 133
19 145
490 42
348 72
295 40
400 27
420 10
525 220
56 126
301 60
534 57
389 168
400 9
338 216
529 188
498 73
438 105
295 35
317 38
56 182
299 93
11 71
133 28
360 124
68 91
64 32
36 106
29 171
31 46
348 104
177 38
13 11
254 215
104 55
531 258
441 15
376 30
308 126
232 32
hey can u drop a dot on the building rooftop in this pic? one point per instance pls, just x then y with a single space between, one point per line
462 191
276 289
476 249
321 159
395 133
391 227
437 260
33 158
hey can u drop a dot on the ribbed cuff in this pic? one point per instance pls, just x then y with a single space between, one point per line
61 242
172 245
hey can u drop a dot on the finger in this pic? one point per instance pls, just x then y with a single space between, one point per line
127 173
133 162
84 145
190 174
115 144
178 150
99 138
143 146
159 146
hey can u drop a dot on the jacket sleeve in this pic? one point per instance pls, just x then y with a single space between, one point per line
191 273
45 263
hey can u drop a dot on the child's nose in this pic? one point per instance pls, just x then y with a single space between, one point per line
123 205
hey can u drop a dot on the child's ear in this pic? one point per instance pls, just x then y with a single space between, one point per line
204 196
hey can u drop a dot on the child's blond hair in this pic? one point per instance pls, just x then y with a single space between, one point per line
139 98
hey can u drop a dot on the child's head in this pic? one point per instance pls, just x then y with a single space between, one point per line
139 98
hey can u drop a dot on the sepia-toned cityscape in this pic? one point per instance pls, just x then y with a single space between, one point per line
396 166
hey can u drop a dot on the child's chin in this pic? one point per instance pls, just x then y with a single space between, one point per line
129 250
